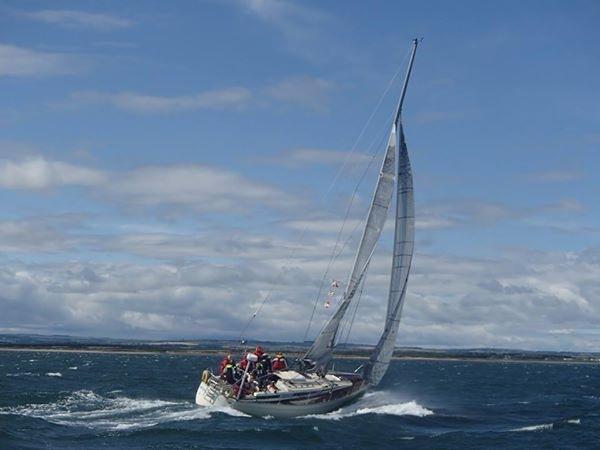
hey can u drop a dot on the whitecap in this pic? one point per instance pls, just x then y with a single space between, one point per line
53 374
543 426
574 421
380 403
73 368
90 410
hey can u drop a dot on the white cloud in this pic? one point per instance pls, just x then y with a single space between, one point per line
302 157
41 234
79 19
37 173
141 103
202 188
300 27
323 225
196 187
20 61
519 300
306 91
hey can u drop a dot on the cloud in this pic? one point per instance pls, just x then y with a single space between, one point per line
323 225
37 173
303 157
79 19
20 61
517 300
43 234
299 25
557 176
141 103
196 187
306 91
454 213
201 188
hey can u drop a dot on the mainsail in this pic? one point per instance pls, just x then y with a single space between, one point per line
320 352
403 251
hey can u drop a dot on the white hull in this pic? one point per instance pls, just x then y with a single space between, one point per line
299 395
204 397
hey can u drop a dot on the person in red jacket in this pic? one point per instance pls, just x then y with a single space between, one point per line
227 360
259 351
279 362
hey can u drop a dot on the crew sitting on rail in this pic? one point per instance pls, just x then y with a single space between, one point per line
279 362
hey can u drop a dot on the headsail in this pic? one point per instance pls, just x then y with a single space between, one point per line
320 352
403 251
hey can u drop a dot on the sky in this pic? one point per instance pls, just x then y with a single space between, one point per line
166 168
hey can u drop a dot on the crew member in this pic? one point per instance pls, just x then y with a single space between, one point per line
262 371
228 373
279 362
227 360
259 351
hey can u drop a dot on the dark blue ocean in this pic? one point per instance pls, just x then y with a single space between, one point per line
88 401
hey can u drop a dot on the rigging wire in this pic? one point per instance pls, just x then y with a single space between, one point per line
327 192
362 286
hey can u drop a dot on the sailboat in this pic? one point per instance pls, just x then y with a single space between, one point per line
311 387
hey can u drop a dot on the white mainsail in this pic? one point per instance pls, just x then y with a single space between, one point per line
320 352
404 236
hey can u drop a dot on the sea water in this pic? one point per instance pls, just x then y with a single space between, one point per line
92 400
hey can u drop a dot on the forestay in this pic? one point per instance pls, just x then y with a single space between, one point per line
403 251
321 350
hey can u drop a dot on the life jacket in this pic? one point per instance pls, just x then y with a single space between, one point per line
278 364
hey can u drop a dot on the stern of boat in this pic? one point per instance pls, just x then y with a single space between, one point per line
210 392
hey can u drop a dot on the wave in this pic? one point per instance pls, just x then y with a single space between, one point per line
381 403
548 426
53 374
543 426
90 410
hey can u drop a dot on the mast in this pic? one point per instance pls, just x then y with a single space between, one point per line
405 84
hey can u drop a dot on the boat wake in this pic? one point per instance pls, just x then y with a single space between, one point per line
87 409
379 402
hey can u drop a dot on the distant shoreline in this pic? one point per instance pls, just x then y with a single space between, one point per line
217 352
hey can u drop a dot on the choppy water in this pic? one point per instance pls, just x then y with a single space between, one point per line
68 400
